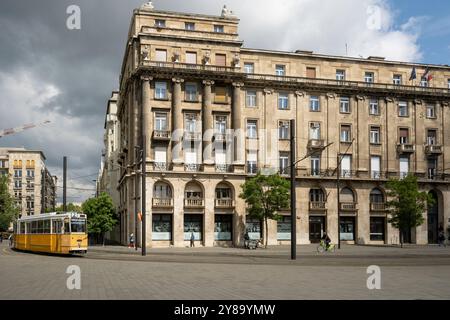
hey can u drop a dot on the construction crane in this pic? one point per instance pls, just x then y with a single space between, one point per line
10 131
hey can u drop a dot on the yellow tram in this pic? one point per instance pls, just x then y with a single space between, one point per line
59 233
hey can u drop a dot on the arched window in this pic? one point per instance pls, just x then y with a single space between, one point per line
347 195
162 190
316 195
376 196
193 191
223 191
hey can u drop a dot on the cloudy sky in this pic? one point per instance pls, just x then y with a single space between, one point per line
66 76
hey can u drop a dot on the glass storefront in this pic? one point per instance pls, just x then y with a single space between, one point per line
253 227
347 228
161 227
377 227
223 227
284 228
193 223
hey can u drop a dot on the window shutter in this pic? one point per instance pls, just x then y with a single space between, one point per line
221 59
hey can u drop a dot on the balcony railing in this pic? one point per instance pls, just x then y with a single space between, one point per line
188 66
160 166
161 134
355 85
317 205
196 136
405 148
194 167
162 202
378 206
348 206
315 144
252 169
433 149
224 203
224 168
194 203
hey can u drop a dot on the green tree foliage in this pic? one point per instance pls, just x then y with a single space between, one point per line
407 205
101 215
70 207
265 196
8 209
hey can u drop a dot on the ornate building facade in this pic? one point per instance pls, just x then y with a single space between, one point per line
214 113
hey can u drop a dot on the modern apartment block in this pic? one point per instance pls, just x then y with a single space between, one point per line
31 184
214 113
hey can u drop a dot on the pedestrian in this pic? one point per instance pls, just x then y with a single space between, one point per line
1 237
246 239
10 240
192 239
441 237
131 240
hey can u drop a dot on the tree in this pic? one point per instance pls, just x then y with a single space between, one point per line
265 196
70 207
408 204
101 215
8 209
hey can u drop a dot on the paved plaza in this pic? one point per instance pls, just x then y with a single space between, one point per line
413 272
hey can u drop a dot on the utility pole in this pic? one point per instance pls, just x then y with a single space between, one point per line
64 184
293 195
143 195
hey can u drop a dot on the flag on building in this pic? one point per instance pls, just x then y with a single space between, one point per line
413 74
427 75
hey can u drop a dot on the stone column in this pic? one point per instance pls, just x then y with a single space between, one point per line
391 131
239 146
147 125
207 123
361 143
177 123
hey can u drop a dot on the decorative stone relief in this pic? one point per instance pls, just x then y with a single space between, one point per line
300 93
359 97
145 52
177 80
207 58
176 57
148 6
331 95
236 60
238 84
208 82
268 91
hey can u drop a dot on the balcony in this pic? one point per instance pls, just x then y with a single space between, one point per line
348 206
162 202
220 137
193 167
224 168
224 203
315 144
161 135
317 205
160 166
378 206
433 149
192 136
406 148
189 66
194 203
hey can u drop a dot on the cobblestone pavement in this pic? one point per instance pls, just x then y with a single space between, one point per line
414 272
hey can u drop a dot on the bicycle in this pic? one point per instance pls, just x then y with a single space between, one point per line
253 244
322 247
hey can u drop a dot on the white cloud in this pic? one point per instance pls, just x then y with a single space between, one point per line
326 26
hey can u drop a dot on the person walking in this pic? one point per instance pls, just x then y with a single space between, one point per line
192 239
131 240
11 240
246 239
441 237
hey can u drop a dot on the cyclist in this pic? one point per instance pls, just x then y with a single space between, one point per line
326 239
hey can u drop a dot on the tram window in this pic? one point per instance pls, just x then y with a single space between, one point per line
40 226
78 225
22 227
66 227
57 225
46 227
34 227
28 227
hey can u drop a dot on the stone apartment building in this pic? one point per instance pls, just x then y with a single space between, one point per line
109 168
31 184
214 113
